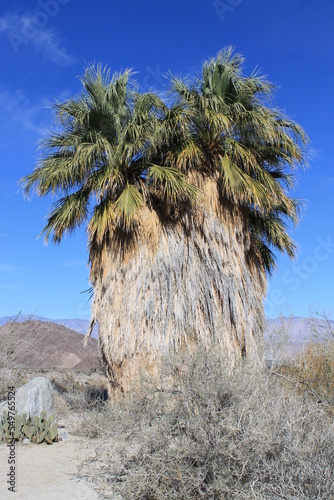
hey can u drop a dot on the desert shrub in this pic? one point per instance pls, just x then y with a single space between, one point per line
69 389
313 370
90 413
92 417
277 342
204 432
82 400
96 395
322 326
92 423
80 392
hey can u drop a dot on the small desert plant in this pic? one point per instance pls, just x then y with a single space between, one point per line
277 342
37 429
203 432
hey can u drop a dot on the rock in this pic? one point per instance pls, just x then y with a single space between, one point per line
34 397
64 435
26 441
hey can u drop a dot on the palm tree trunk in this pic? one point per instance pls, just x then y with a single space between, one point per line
184 285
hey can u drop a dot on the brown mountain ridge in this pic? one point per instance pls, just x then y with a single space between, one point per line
45 345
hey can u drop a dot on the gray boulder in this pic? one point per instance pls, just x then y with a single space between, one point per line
34 397
63 435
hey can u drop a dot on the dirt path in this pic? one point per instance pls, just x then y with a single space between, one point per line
47 472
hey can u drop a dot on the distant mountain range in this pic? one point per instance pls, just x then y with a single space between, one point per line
47 345
298 329
78 325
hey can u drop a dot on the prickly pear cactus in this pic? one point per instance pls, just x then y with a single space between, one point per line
40 437
53 432
38 429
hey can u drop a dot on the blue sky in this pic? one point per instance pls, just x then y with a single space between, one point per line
45 46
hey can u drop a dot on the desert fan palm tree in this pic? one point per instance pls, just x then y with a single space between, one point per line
184 205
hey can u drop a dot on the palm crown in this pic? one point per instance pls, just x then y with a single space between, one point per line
104 156
236 138
119 150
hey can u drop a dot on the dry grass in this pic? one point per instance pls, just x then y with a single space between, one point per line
202 432
313 371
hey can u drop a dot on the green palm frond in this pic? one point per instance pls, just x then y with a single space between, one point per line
188 153
67 214
239 185
174 183
72 113
108 134
127 204
54 175
102 223
271 229
265 254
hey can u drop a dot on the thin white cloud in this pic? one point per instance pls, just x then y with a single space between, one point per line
12 268
30 29
19 110
315 153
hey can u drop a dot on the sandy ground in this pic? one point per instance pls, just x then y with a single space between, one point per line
47 472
